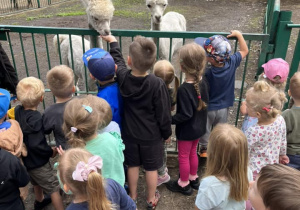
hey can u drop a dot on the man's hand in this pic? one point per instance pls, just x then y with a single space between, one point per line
109 38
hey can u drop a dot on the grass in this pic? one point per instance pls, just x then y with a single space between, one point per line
38 17
65 14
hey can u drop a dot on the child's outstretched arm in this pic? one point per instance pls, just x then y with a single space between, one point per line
242 43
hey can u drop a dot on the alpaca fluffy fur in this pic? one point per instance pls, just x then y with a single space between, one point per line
77 48
99 13
171 21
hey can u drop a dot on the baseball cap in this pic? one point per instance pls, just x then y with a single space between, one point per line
4 102
100 63
216 46
276 67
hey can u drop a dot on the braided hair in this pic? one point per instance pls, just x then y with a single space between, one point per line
193 60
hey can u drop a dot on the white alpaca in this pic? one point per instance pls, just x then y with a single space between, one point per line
77 50
99 13
172 21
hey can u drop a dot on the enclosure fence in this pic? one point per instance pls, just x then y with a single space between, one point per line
11 6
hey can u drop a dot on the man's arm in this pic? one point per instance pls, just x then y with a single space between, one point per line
242 43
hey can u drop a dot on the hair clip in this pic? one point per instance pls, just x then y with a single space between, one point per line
267 109
88 108
73 129
83 170
199 97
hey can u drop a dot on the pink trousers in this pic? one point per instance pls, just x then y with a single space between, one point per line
187 158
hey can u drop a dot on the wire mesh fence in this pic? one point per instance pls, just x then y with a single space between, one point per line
11 6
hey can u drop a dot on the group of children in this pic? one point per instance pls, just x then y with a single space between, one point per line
137 105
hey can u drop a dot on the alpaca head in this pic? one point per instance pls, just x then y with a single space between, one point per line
157 8
100 14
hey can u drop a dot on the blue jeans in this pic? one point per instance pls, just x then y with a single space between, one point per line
294 161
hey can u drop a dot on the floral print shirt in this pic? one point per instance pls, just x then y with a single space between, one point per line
266 143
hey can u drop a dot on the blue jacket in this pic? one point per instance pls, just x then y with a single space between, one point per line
111 93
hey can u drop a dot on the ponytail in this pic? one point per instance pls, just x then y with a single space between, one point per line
73 140
201 103
96 193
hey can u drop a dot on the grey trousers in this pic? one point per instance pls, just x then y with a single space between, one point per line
213 118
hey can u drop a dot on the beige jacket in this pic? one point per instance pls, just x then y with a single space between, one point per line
12 140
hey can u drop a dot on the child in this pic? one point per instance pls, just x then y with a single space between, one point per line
277 187
220 76
11 136
147 113
80 173
30 92
292 120
164 70
190 118
82 119
102 68
267 138
275 73
60 80
12 176
225 183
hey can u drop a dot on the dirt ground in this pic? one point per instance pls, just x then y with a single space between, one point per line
201 15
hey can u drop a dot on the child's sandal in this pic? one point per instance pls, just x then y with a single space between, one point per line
152 205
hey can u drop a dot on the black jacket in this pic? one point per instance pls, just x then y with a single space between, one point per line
190 123
12 176
147 111
34 138
8 75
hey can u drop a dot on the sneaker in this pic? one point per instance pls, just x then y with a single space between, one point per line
163 179
203 153
150 205
195 184
40 205
174 187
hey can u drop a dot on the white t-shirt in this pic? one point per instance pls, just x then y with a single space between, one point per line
214 193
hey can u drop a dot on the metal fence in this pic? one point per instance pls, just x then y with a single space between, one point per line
11 6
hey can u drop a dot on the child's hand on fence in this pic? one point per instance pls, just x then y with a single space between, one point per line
60 150
234 33
283 159
168 141
109 38
54 152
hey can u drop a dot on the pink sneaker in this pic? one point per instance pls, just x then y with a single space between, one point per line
163 179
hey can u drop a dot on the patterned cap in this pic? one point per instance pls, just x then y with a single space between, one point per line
216 46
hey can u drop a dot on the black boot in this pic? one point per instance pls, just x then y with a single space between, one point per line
174 187
195 184
43 204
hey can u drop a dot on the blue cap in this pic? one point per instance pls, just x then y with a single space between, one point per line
4 102
100 64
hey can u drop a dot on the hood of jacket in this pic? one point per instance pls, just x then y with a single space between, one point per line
30 120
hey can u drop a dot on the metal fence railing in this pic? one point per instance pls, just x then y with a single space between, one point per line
10 6
33 53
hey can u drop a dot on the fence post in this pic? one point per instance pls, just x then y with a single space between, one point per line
38 3
283 34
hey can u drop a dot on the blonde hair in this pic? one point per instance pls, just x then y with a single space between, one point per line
227 156
60 80
265 99
93 188
277 84
30 91
277 180
165 70
86 123
142 52
103 109
192 59
295 86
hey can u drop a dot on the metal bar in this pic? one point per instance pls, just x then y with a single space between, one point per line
24 56
120 43
47 50
85 71
12 53
293 25
71 50
242 86
58 48
35 55
170 52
